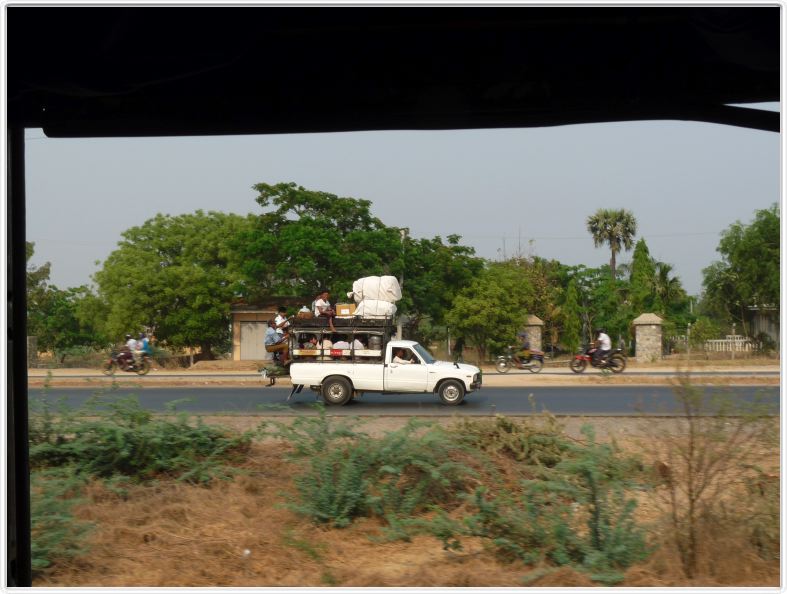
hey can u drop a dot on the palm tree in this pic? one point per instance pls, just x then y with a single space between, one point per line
668 289
616 228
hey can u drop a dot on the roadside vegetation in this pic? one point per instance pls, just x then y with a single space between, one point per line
121 497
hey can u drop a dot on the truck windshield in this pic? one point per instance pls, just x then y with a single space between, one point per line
424 354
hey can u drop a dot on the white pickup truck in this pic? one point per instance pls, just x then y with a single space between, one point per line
341 374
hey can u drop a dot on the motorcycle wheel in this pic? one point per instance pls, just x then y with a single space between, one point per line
144 367
536 365
616 363
108 368
502 365
578 365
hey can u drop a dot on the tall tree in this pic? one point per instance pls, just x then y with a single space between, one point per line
174 274
642 279
748 273
313 241
668 289
572 324
616 228
491 310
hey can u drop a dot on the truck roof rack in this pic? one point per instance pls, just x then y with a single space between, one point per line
347 323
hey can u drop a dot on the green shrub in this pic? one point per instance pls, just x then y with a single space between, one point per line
125 440
574 513
346 474
55 534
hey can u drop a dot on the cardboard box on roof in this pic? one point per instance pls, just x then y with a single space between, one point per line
345 310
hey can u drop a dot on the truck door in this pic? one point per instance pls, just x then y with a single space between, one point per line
404 377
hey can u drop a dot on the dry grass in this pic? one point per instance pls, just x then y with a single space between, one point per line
239 534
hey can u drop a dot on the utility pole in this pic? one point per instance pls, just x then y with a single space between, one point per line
403 234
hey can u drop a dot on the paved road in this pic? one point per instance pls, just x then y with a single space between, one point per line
586 400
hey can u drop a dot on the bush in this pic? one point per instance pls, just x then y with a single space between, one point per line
347 474
543 524
123 439
55 534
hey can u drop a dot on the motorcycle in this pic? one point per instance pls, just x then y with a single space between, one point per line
125 363
614 362
534 363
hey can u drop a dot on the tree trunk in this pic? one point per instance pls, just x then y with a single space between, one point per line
612 265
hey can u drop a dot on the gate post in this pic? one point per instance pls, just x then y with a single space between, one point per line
647 332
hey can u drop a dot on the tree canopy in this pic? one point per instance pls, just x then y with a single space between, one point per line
749 272
174 275
616 228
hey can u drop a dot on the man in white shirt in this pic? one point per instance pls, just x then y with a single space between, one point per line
603 345
322 307
281 321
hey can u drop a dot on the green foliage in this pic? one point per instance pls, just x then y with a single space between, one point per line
174 274
574 512
55 533
122 439
493 308
642 294
701 330
433 274
616 228
55 317
572 324
347 474
313 241
749 271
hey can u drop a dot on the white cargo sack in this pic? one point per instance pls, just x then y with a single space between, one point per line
375 309
377 288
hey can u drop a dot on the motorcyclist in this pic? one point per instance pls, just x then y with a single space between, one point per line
603 346
126 355
522 356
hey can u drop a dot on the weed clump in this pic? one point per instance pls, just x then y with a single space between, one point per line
347 474
574 513
124 440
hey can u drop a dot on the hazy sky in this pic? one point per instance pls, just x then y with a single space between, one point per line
507 190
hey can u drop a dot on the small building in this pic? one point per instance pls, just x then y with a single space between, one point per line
249 323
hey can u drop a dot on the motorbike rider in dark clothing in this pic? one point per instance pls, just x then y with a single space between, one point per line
522 356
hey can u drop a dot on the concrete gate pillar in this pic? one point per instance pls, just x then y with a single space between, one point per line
534 329
647 333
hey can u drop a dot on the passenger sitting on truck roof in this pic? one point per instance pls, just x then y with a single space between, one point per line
322 308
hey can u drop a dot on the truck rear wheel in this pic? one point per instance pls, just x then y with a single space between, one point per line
451 392
336 390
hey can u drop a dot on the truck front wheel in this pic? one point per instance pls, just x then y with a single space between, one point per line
336 390
451 392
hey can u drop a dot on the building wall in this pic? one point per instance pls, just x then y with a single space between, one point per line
260 316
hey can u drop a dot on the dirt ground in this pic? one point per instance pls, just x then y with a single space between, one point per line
239 534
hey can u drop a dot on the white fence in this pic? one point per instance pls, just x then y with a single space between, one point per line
730 344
